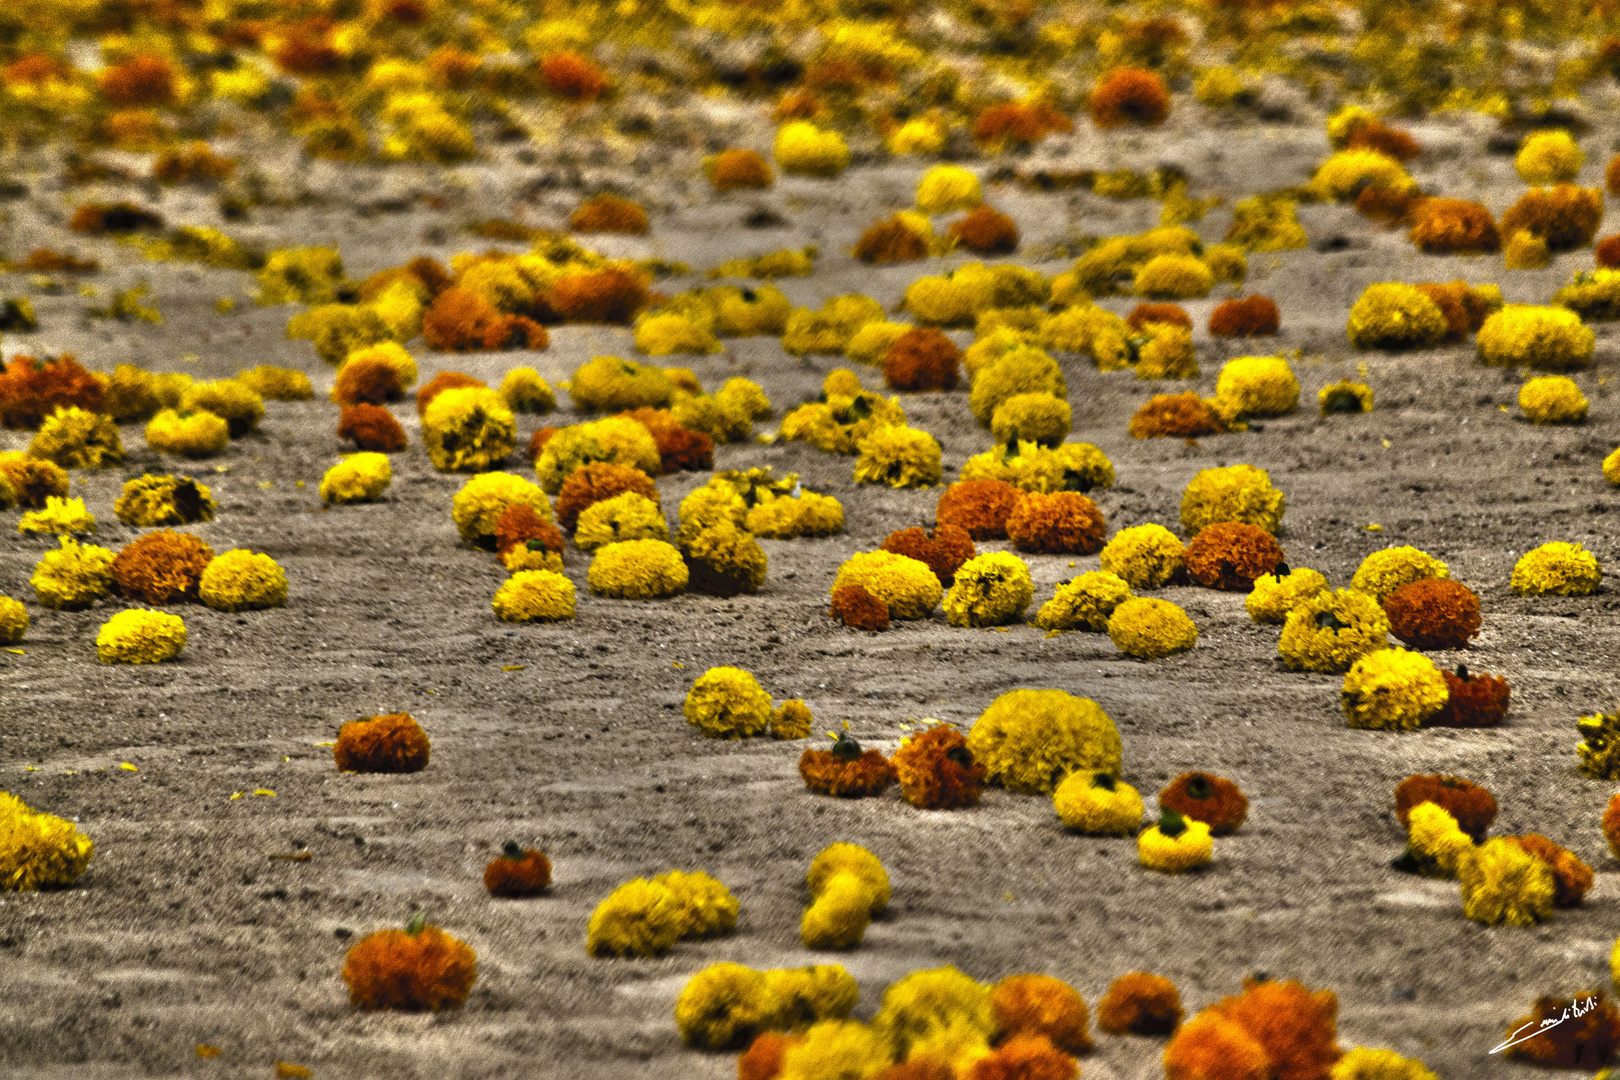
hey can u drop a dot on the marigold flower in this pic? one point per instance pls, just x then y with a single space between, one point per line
936 770
1140 1004
517 871
75 438
899 456
1454 227
32 480
985 231
468 430
803 148
535 596
241 580
371 428
858 609
1029 740
58 517
357 478
922 358
1185 416
1097 804
980 508
1231 555
1276 594
420 967
848 774
608 213
1176 844
1392 689
1296 1028
1503 883
1064 522
39 850
391 743
1557 569
1551 338
1563 217
1566 1032
991 589
1475 701
1130 97
728 702
941 1005
140 637
1394 316
735 169
1237 493
1145 556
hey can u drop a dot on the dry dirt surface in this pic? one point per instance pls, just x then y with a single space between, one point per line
188 928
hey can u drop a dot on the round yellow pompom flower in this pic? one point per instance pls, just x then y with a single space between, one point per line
639 918
198 434
905 585
1145 556
637 570
628 515
468 429
1552 338
1098 805
1392 689
1257 386
948 187
1236 493
478 506
357 478
723 1007
728 703
899 456
1557 569
990 590
1274 596
141 637
1176 844
241 580
1029 740
1552 399
1084 603
39 851
803 148
1549 157
1150 629
1330 631
1382 572
1504 883
535 596
13 621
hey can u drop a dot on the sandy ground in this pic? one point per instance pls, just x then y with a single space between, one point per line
185 930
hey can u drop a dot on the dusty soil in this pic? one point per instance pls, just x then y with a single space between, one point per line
186 929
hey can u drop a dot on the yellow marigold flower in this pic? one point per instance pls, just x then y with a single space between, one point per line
1593 294
1382 572
724 420
1363 1063
948 187
615 439
1503 883
907 586
835 1048
668 335
1087 329
724 1006
953 299
1144 556
1345 397
1330 631
140 637
1236 493
1599 748
1168 354
525 391
1019 371
277 383
1543 337
1274 596
1150 629
854 860
39 850
74 576
1257 386
533 555
809 994
1032 467
309 275
1392 316
240 580
1557 569
803 148
1345 122
1029 740
241 408
925 1005
1434 837
391 353
637 570
1525 250
991 589
1549 157
1611 467
921 136
1084 603
479 504
626 516
1038 418
783 518
1228 263
838 917
704 906
728 703
747 396
13 621
1552 399
75 438
1098 805
871 342
149 501
192 435
1343 175
357 478
900 457
792 720
639 918
1218 87
711 504
534 596
468 429
1392 689
1176 844
1174 277
59 517
760 310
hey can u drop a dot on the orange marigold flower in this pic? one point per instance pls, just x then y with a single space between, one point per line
1475 701
1185 416
372 428
537 442
1455 227
140 81
858 609
1211 1047
608 214
421 967
1564 216
611 296
392 743
47 261
1611 825
985 231
922 358
517 872
1140 1004
797 105
33 69
890 241
1607 251
1389 206
1253 316
1229 555
1059 523
1464 306
1130 96
1571 877
367 379
1575 1035
827 773
1389 141
570 75
936 771
764 1057
32 389
1043 1006
1205 797
1025 1057
444 380
462 321
1018 123
163 567
943 549
308 52
1472 805
520 523
591 484
1164 314
730 170
1295 1027
979 508
1433 614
